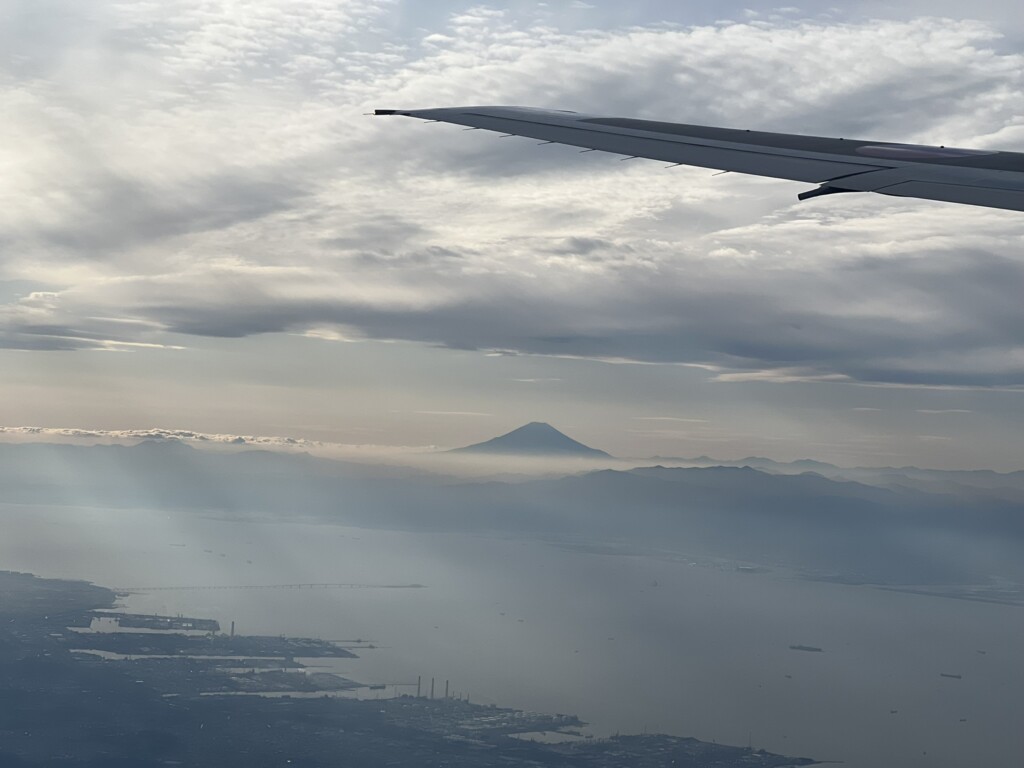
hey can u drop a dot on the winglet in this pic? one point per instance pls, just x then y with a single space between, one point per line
824 189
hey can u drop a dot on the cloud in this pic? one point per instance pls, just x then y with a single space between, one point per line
191 436
157 434
451 413
671 418
223 183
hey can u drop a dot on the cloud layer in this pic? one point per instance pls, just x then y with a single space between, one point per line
270 442
188 169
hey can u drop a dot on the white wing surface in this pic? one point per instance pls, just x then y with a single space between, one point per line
975 177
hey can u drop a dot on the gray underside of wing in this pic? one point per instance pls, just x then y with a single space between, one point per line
976 193
991 179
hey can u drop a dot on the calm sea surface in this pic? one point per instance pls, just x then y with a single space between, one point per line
626 642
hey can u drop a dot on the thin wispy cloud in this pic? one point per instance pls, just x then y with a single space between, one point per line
671 418
451 413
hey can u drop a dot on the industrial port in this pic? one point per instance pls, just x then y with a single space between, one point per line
165 692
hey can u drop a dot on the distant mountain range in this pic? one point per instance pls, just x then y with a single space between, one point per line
534 439
757 462
901 526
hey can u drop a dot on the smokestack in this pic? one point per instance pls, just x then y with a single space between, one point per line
232 629
419 680
431 687
446 689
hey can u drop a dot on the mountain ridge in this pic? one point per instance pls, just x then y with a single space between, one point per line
537 438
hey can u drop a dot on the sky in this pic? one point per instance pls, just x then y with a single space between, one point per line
202 230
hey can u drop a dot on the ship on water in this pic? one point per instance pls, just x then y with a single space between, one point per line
807 648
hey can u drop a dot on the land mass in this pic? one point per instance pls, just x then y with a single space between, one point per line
534 439
66 700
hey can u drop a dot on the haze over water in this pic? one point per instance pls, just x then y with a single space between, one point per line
208 240
688 646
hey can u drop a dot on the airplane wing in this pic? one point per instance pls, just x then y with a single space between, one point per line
974 177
